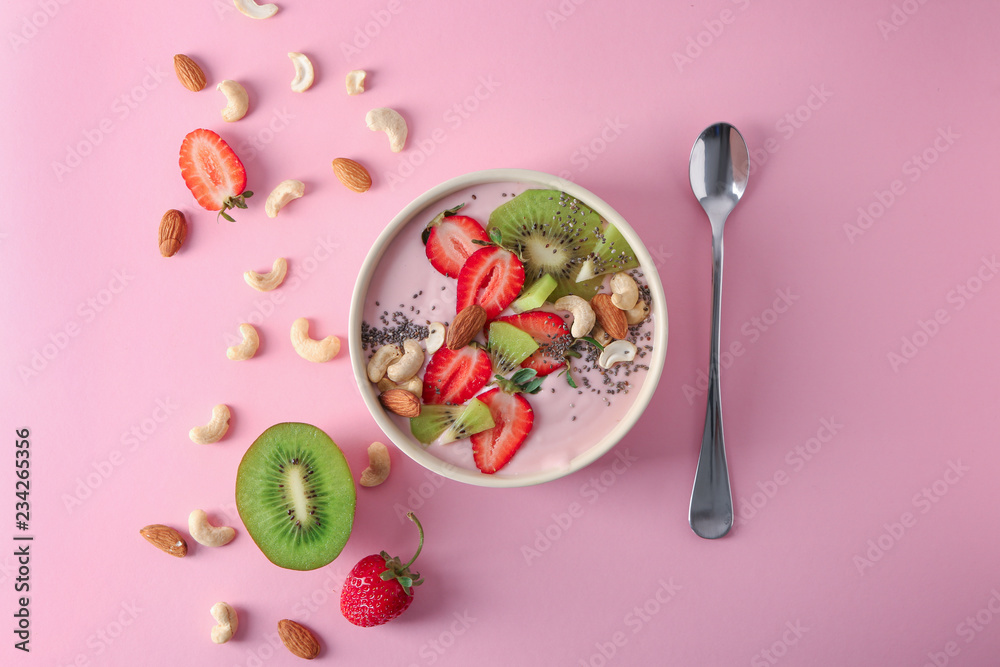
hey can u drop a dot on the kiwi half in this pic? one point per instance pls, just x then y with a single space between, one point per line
296 497
553 234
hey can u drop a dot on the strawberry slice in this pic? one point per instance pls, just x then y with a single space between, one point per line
450 242
454 376
213 173
549 331
491 277
493 448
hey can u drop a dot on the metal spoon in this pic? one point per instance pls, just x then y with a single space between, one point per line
719 169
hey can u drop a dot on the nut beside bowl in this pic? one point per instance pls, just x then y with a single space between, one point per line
366 292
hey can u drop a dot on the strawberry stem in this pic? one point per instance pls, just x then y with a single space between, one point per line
413 517
237 201
394 569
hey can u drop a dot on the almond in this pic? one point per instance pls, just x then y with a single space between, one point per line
188 73
465 326
352 174
298 639
173 231
166 539
609 316
400 401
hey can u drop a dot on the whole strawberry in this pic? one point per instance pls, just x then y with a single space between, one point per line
380 587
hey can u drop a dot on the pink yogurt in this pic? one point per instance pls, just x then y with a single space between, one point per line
567 421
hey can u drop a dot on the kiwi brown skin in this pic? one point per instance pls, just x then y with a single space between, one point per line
296 496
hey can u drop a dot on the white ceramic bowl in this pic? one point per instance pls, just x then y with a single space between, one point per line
602 442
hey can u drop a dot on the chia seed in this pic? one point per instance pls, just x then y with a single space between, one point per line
395 330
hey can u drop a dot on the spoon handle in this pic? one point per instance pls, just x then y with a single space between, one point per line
711 511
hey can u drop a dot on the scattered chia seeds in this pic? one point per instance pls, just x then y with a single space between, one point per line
396 329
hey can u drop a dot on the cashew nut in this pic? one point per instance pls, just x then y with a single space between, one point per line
435 337
616 353
624 291
215 429
312 349
255 11
237 100
283 193
356 82
265 282
600 335
246 349
583 314
389 121
380 361
414 385
408 364
637 313
378 465
227 621
205 533
303 72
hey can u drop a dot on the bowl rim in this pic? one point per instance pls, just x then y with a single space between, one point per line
404 440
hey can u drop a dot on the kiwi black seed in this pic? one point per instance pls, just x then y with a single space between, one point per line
552 233
296 496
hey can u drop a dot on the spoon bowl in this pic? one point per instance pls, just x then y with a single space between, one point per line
719 169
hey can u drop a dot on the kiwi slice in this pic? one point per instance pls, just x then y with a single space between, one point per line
451 422
535 295
611 254
509 346
296 497
553 234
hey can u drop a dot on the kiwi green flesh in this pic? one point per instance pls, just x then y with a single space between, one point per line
553 234
534 295
451 422
611 254
295 494
509 346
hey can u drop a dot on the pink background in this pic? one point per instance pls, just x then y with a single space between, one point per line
878 546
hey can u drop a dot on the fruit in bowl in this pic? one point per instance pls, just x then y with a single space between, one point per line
529 320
